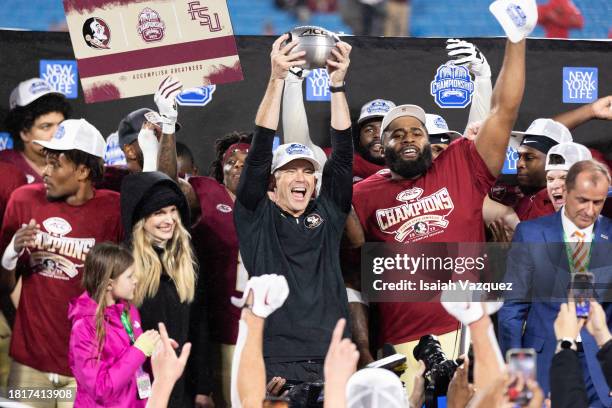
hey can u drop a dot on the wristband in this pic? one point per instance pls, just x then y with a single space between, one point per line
10 256
168 126
341 88
354 296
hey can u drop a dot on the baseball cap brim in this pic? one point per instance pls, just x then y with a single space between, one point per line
451 133
55 144
401 111
368 117
316 164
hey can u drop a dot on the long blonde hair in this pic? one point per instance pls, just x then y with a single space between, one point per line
177 260
104 262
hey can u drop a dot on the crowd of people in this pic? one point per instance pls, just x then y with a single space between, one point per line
150 285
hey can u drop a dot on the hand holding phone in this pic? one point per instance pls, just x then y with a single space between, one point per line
582 291
522 366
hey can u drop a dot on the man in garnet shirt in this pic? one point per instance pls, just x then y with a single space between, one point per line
47 232
541 135
35 112
443 198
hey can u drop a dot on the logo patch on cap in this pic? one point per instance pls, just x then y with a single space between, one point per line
378 107
60 132
441 123
452 86
296 148
516 14
40 86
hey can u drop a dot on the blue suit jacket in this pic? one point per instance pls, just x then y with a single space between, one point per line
540 271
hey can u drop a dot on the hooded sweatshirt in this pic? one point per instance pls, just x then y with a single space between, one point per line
111 380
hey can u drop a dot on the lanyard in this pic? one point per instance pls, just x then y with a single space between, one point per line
127 325
570 255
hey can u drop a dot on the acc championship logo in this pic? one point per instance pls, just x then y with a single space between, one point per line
150 26
452 86
113 155
313 221
579 84
378 106
57 226
317 86
61 75
6 141
516 14
60 132
200 96
417 217
96 33
296 148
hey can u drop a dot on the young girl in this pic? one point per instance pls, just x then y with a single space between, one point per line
107 345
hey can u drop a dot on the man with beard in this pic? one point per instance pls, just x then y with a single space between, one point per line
443 197
541 135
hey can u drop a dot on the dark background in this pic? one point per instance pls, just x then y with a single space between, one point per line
399 69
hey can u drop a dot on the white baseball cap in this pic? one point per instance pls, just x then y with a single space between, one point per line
375 109
570 152
375 388
549 128
518 18
76 134
289 152
399 112
28 91
436 125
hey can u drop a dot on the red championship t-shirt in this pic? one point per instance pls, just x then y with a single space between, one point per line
216 245
444 205
534 206
18 160
11 178
54 268
362 169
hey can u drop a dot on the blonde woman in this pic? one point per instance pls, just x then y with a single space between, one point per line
154 212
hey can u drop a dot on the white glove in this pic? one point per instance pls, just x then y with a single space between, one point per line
165 99
149 145
269 293
518 18
467 54
461 306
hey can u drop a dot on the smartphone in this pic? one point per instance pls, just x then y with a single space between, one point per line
582 293
521 361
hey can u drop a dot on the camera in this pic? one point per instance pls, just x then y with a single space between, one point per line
305 395
439 369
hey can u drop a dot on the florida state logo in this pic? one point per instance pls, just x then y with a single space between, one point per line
96 33
150 26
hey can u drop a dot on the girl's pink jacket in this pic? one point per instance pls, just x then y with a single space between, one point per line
109 381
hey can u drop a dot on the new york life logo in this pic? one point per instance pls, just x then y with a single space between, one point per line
579 85
511 161
61 75
317 86
452 86
6 141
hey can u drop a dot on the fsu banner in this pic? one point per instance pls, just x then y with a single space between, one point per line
124 48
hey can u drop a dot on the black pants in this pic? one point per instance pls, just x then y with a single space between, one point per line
295 371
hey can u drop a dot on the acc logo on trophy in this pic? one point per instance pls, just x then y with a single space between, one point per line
150 26
452 86
96 33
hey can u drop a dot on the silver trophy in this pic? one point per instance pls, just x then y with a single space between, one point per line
317 42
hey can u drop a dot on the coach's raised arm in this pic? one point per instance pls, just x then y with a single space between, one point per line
283 229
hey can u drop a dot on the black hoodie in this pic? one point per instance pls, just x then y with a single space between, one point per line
142 190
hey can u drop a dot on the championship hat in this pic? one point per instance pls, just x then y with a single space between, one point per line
289 152
399 112
375 388
438 130
28 91
76 134
375 109
130 126
518 18
543 134
565 155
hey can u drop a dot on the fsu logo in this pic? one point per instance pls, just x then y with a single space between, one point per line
452 86
150 26
313 221
96 33
417 217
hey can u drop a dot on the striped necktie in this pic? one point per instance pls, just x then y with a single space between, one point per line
580 252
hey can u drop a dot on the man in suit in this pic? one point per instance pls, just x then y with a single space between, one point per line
570 241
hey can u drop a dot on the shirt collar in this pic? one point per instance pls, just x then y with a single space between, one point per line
569 228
